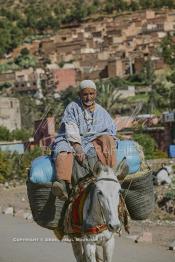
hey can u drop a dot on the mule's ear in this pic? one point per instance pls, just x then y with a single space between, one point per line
97 168
122 169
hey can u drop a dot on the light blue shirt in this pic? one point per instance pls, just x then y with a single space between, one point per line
90 124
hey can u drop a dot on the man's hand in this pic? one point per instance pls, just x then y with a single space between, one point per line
80 155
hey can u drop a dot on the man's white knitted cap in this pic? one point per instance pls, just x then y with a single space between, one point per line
87 84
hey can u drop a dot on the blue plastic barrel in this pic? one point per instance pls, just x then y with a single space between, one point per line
171 150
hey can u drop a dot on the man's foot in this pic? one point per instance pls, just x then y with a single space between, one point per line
59 190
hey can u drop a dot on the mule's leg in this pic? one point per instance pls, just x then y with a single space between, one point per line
89 251
108 249
78 251
99 254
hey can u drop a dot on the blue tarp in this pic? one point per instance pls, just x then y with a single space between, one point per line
128 149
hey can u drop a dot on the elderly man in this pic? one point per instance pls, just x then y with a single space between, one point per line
85 125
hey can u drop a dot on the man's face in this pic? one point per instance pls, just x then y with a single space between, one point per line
88 96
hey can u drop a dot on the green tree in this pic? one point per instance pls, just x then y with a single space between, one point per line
162 3
69 95
24 51
160 98
5 85
6 166
146 3
14 165
10 36
168 50
5 134
26 61
108 96
5 41
16 37
21 134
134 5
147 74
24 161
148 144
152 104
171 78
120 5
77 13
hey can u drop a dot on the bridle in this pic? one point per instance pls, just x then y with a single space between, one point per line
107 179
101 207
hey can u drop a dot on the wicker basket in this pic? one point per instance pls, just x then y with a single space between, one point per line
46 208
139 194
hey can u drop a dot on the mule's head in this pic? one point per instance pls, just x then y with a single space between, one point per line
107 191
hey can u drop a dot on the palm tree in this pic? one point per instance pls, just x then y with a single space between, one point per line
109 97
152 103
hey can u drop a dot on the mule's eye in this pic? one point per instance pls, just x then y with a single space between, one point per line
100 193
121 190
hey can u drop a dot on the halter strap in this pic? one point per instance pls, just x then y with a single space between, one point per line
107 179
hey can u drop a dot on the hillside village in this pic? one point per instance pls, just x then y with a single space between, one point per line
108 47
99 49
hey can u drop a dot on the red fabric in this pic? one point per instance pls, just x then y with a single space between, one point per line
75 210
77 216
97 229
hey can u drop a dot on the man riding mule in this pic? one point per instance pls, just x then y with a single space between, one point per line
93 210
86 126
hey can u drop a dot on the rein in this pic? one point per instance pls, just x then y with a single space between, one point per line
101 210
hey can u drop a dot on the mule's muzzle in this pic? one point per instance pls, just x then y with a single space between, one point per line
114 228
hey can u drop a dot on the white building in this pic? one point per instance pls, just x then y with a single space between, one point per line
10 115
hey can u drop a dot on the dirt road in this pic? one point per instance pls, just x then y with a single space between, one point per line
23 241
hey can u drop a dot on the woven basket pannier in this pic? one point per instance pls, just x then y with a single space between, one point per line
139 195
46 208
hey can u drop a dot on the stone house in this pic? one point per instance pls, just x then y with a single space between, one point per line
47 46
115 68
64 78
28 80
8 77
10 115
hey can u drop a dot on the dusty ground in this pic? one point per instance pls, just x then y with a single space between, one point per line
160 224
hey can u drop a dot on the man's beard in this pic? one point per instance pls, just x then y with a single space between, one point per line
90 105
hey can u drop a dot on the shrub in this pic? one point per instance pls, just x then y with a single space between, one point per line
13 165
148 144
